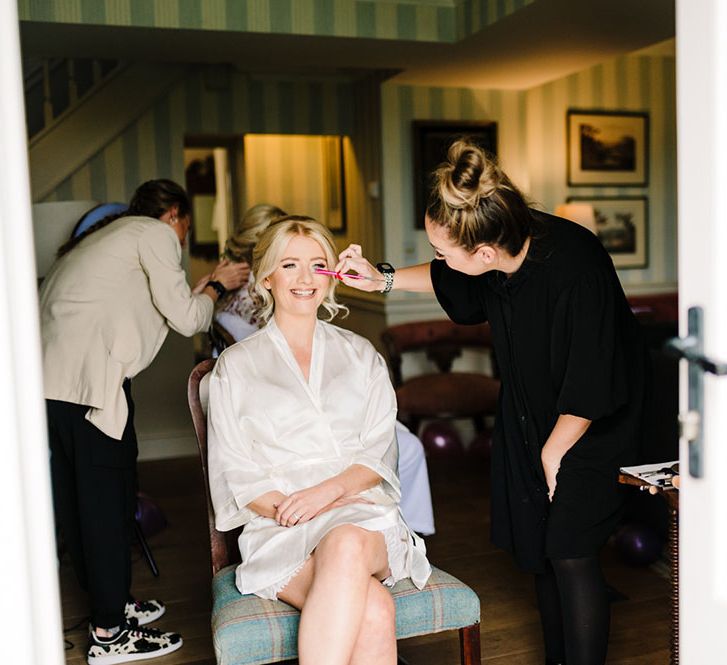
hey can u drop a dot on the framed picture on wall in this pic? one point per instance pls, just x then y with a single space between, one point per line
622 227
432 139
607 148
201 185
334 183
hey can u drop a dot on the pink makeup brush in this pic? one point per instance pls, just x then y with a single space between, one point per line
338 275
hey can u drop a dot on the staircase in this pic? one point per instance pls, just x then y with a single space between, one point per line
84 115
54 85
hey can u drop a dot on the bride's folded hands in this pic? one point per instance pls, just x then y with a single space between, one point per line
289 515
304 505
267 504
340 490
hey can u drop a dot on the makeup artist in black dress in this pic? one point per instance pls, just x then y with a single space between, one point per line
572 365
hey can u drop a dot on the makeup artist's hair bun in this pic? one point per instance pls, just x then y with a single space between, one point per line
466 177
476 202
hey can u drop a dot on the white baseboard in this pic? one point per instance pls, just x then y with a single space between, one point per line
422 308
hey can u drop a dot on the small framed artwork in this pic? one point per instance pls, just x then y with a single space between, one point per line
607 148
201 185
334 184
622 227
432 140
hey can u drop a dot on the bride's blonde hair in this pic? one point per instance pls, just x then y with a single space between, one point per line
269 250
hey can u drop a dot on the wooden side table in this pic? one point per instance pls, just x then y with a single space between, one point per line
671 496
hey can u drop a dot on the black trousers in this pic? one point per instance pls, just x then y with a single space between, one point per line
94 495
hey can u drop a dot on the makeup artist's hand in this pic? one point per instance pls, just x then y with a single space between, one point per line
199 286
230 274
303 506
352 258
551 465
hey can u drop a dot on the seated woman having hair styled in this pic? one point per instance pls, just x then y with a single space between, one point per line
302 451
236 313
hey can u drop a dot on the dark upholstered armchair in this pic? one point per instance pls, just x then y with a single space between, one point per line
445 394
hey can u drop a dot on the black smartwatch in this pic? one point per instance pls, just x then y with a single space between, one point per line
218 287
387 270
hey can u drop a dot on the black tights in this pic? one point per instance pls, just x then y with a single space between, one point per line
574 611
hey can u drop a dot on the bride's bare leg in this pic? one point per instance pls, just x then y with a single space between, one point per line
333 589
294 592
376 641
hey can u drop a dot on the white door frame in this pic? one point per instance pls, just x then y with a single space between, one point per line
30 618
702 186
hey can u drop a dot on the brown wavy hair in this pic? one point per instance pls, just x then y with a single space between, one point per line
151 199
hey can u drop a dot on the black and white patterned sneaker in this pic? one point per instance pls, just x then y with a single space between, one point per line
131 644
144 611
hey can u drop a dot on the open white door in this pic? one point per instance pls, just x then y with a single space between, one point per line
30 625
702 147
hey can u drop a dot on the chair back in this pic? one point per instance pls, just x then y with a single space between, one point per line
441 339
223 546
220 338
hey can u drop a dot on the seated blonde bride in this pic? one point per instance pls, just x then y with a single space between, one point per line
302 451
236 313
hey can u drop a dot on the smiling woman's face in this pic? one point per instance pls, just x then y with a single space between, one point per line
296 288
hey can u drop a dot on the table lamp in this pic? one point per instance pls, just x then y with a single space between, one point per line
581 213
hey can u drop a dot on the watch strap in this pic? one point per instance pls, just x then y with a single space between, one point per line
387 270
218 287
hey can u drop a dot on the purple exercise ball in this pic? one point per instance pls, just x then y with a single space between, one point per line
638 544
441 439
481 445
149 515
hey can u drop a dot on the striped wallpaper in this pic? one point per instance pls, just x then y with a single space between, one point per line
532 149
473 15
151 146
402 104
415 20
628 83
531 137
286 172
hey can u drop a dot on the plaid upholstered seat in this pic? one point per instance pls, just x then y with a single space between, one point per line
247 630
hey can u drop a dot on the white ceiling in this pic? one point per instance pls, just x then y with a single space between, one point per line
544 41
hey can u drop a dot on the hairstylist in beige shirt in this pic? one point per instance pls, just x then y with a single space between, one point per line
106 307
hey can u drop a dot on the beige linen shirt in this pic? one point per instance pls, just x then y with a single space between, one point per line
106 308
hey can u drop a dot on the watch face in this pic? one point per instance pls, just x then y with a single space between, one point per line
384 267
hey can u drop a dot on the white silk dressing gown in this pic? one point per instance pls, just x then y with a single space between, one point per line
269 429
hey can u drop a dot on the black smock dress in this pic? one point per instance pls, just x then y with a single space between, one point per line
566 342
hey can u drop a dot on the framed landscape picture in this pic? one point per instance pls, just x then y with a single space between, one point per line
432 139
607 148
622 227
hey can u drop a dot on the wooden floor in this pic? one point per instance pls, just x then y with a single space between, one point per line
510 627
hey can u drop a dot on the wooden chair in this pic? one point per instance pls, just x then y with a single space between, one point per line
248 630
445 394
220 338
